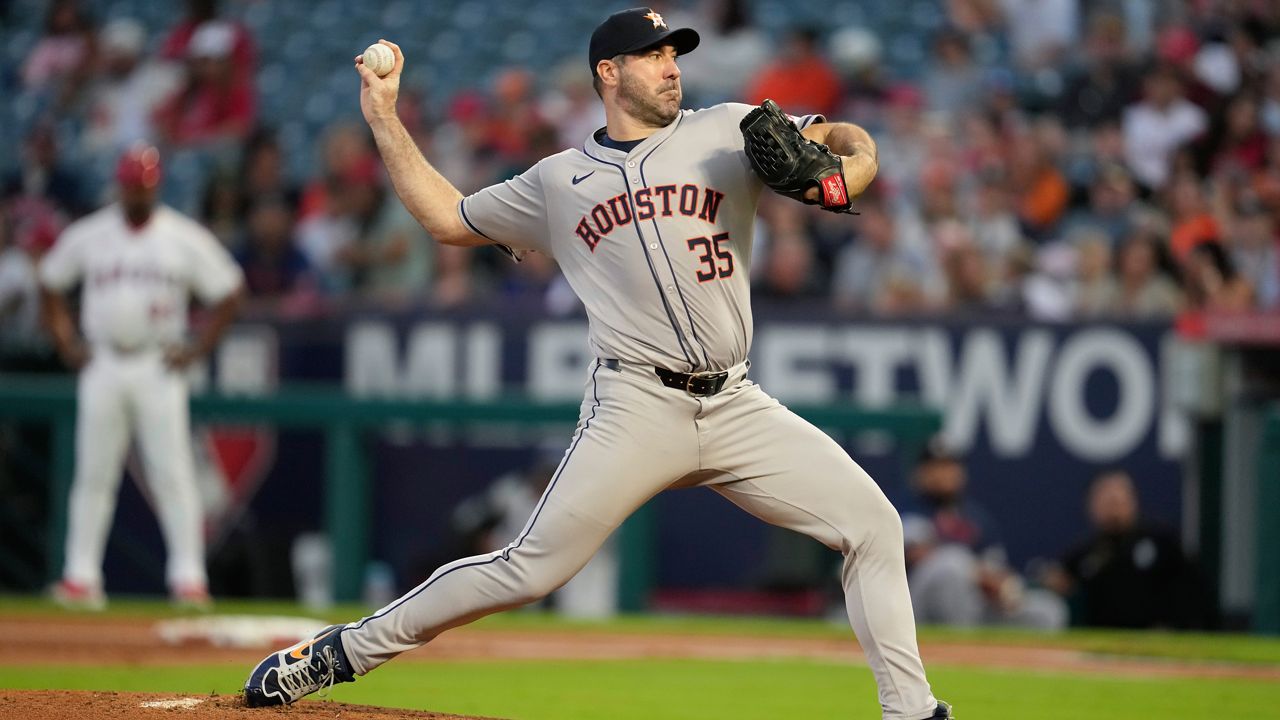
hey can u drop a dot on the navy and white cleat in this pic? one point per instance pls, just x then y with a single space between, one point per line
291 674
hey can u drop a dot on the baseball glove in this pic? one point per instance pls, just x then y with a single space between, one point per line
789 162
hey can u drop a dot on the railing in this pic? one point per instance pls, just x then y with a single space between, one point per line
342 418
1267 603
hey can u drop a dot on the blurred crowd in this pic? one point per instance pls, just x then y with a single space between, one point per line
1058 159
1048 158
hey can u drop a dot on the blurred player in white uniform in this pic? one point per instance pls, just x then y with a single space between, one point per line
137 262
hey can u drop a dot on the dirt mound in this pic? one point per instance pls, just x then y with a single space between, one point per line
57 705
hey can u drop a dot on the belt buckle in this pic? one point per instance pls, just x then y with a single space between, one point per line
708 376
688 384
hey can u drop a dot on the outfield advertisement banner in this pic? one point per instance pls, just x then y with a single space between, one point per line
1037 409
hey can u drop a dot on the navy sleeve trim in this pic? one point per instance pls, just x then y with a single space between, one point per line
462 211
515 256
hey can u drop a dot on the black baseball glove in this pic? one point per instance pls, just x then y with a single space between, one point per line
790 163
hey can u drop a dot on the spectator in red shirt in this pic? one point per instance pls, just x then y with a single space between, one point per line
344 148
801 80
515 120
243 51
214 103
1241 142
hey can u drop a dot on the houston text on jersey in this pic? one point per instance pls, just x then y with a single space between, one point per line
657 201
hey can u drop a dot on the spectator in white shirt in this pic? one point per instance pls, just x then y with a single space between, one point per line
1158 125
127 91
1041 31
733 51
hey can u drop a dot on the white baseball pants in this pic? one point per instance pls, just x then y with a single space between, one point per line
635 438
122 397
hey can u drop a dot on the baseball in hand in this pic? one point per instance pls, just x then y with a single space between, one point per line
379 58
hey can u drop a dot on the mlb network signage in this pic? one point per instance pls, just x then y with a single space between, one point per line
1093 391
1037 409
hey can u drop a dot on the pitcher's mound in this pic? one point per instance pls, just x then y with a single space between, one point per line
59 704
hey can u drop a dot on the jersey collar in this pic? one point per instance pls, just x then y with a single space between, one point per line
132 230
593 147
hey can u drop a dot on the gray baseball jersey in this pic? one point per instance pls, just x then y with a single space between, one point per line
656 241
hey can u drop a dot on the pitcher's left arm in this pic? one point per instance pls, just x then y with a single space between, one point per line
859 160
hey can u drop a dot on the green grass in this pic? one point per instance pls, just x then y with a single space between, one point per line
1214 647
705 690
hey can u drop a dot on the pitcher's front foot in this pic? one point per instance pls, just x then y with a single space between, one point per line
291 674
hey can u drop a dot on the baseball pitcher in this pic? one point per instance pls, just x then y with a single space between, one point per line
137 262
651 222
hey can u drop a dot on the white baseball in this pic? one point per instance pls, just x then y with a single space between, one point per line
379 59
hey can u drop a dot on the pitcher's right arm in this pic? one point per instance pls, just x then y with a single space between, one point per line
426 194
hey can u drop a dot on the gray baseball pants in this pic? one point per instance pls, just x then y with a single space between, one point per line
635 437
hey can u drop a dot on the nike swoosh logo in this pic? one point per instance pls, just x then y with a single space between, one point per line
296 653
577 179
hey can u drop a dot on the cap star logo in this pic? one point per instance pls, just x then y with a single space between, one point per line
658 22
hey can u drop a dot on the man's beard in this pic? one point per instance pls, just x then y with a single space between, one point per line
653 109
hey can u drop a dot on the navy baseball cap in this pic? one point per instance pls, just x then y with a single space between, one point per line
636 29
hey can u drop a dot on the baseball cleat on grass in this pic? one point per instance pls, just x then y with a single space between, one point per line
942 713
192 596
291 674
72 595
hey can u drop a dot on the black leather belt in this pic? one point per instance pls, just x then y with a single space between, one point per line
701 384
